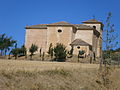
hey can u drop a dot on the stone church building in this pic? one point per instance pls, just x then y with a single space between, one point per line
86 36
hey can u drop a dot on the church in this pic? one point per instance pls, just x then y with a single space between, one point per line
86 36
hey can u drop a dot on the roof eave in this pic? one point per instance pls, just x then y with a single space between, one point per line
35 27
84 28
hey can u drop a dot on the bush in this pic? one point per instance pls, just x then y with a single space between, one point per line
33 49
60 52
50 51
16 52
81 52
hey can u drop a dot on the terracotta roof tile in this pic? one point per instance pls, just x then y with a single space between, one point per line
60 23
81 26
41 26
92 21
79 42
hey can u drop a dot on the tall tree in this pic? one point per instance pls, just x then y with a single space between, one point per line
110 37
109 42
50 51
5 43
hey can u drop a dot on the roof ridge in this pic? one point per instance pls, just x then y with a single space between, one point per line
79 41
60 22
92 21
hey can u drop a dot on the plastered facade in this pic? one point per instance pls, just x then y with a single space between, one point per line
43 37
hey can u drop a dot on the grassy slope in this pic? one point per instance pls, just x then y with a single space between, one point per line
37 75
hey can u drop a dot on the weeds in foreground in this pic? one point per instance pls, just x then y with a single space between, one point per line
104 78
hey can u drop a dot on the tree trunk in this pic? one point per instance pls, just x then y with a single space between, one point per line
31 56
15 57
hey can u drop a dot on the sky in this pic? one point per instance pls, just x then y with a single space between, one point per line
16 14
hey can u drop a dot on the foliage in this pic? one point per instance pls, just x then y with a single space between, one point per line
71 51
23 50
6 43
50 51
16 52
81 52
60 52
33 49
116 57
40 51
109 41
117 50
113 54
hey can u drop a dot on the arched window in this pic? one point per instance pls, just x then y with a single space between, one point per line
94 27
59 30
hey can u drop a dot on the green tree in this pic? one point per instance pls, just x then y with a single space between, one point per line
15 52
51 50
5 44
60 52
24 51
32 50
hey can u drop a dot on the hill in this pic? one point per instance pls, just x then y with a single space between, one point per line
38 75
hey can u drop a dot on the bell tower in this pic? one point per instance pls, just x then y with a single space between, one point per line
97 41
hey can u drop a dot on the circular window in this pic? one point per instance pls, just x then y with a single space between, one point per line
78 47
59 30
94 27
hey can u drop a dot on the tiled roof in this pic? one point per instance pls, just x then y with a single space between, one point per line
79 42
63 23
78 26
91 21
60 23
81 26
39 26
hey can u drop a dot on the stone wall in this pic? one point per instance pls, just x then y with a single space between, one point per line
37 37
63 37
85 35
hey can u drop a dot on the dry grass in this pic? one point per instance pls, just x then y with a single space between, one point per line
39 65
37 75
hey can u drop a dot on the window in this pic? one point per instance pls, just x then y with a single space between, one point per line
78 47
94 27
59 30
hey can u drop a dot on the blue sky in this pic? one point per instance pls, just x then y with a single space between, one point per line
16 14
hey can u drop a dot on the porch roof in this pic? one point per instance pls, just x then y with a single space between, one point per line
79 42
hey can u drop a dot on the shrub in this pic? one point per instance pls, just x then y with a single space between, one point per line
33 49
81 52
60 52
23 51
50 51
16 52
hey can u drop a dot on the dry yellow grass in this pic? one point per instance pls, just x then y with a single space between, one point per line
40 66
38 75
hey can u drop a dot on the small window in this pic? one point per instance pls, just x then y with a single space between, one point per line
78 47
94 27
59 30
